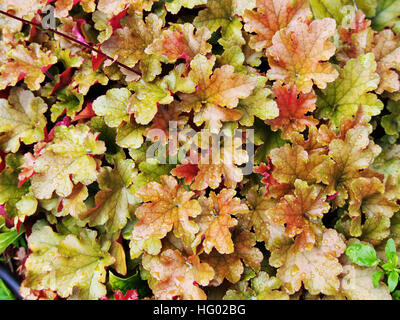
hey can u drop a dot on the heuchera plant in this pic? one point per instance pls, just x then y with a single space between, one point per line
110 187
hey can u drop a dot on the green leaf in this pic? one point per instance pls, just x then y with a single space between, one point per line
327 9
146 99
149 172
233 56
336 8
102 24
14 160
63 263
68 156
5 293
387 15
85 77
396 295
139 155
268 140
7 238
21 119
68 100
233 35
107 134
362 255
130 135
132 282
219 13
67 59
177 82
174 6
367 6
388 162
391 122
263 287
376 278
375 229
393 280
112 202
342 98
113 106
18 201
259 104
3 227
395 227
390 251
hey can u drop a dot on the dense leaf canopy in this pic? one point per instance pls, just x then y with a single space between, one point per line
105 166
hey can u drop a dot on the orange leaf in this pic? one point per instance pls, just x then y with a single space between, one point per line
214 115
177 276
315 143
181 42
358 24
216 221
220 88
386 48
300 52
317 269
293 107
301 213
348 158
164 116
24 63
226 266
230 266
168 206
270 17
223 162
372 197
293 162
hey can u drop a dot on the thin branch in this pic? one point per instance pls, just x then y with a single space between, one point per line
38 25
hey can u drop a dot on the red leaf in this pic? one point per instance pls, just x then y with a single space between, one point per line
21 76
188 171
45 68
18 226
60 206
3 160
116 21
33 31
9 222
28 224
5 93
97 60
76 30
266 171
130 295
65 79
86 113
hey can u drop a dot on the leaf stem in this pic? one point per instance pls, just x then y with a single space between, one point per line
38 25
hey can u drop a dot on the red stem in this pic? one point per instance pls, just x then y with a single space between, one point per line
38 25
